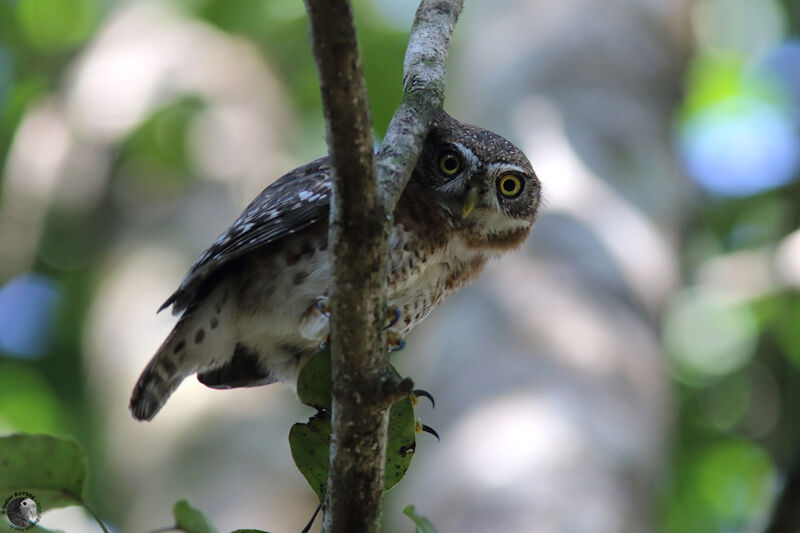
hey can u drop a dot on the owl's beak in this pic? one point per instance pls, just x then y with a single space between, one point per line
470 200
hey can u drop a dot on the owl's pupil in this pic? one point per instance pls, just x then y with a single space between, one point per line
509 186
450 163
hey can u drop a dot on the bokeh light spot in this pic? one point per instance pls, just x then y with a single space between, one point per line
741 147
735 479
27 402
747 27
727 401
56 24
707 335
783 63
27 313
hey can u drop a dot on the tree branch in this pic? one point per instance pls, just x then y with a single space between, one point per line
423 94
358 237
360 222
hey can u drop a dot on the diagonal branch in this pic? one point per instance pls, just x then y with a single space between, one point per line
423 94
360 223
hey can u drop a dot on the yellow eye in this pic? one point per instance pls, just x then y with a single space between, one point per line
509 185
449 164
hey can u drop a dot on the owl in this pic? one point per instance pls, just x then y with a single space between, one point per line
252 307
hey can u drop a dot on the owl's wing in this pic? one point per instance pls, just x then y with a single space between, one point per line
293 202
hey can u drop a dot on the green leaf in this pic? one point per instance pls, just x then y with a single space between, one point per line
51 468
402 442
310 445
314 382
423 524
190 519
310 442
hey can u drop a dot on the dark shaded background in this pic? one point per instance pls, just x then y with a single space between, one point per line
633 368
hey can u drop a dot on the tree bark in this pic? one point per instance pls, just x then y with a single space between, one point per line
363 201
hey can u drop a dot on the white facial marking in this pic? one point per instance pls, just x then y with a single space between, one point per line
498 169
470 159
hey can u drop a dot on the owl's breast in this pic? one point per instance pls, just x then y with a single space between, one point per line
424 271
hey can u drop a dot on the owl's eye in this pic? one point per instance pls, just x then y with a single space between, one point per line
449 164
509 185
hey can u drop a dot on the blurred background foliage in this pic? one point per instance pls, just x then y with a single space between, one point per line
640 376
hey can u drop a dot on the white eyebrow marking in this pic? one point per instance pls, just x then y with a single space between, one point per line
495 169
471 159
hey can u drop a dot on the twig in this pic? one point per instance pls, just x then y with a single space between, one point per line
360 222
313 517
95 516
79 501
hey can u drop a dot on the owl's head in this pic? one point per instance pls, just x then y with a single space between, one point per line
484 182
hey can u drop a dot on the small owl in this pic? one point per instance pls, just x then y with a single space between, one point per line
250 306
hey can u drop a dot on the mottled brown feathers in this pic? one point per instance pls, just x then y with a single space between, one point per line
461 276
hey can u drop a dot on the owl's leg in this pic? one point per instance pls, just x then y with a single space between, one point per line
315 322
314 325
393 314
395 341
394 337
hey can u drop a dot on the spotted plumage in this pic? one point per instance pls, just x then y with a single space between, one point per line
249 305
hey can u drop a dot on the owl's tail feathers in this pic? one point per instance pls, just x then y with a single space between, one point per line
162 375
202 339
186 349
155 385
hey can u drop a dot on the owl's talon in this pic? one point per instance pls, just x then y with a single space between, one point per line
425 394
395 341
395 313
419 427
428 429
